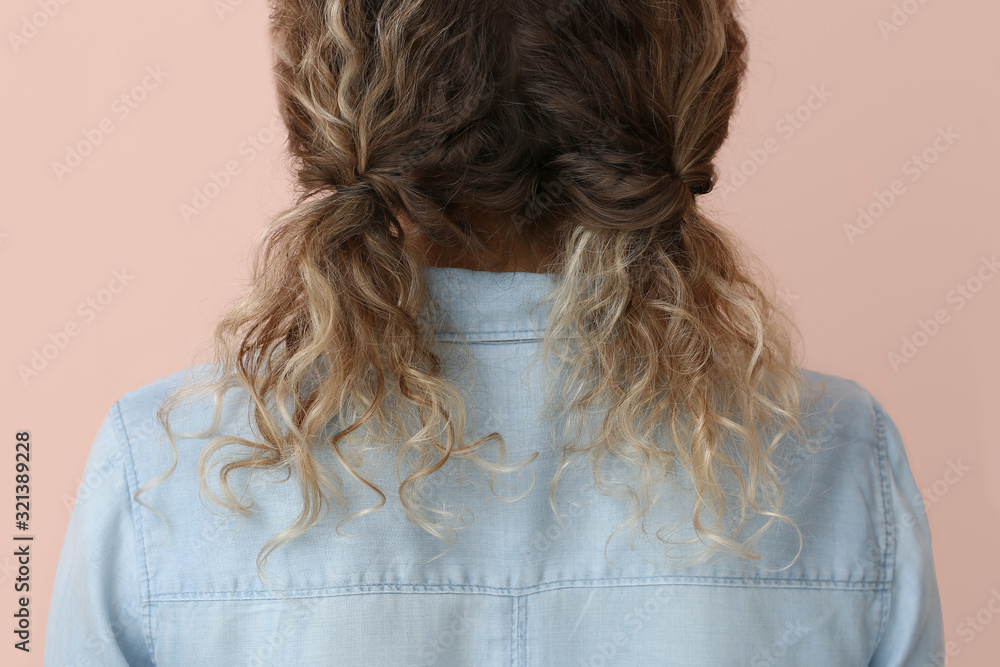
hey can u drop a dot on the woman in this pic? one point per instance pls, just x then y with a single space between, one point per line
498 266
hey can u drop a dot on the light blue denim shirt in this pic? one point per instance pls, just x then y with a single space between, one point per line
516 588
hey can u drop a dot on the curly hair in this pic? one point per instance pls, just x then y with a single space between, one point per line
591 126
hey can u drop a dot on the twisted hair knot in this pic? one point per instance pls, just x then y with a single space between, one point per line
701 187
368 183
611 197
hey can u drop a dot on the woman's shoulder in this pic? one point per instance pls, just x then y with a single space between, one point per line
138 404
850 436
849 491
193 410
843 420
842 477
149 446
847 425
850 400
849 488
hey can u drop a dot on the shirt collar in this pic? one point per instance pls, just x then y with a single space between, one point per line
490 306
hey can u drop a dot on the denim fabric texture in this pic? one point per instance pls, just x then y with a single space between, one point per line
517 588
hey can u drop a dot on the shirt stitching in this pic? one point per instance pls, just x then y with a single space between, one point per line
513 632
137 527
888 526
523 642
828 584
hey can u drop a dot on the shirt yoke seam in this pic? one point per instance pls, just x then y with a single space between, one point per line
888 523
142 557
731 582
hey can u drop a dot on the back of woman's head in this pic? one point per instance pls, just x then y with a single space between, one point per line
588 126
604 115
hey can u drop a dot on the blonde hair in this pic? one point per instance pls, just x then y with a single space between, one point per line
592 127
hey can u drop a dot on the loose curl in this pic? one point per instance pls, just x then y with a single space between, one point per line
589 126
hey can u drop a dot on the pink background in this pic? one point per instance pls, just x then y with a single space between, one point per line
855 297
